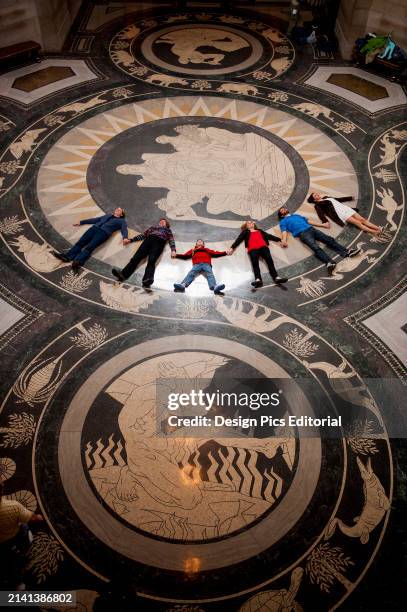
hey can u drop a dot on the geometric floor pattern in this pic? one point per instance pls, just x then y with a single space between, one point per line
208 117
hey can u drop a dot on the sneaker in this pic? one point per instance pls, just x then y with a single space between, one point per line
218 289
179 288
147 283
330 267
278 280
76 265
353 252
117 274
61 256
257 283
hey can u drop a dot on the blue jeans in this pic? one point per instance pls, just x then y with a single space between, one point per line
91 239
203 268
310 237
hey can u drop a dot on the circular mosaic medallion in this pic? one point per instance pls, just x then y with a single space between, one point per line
188 160
198 50
201 53
212 502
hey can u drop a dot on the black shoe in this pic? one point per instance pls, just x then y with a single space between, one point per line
117 274
75 266
278 280
61 256
257 283
178 288
330 267
218 289
147 283
353 252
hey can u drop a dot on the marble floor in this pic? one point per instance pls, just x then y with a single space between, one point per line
208 118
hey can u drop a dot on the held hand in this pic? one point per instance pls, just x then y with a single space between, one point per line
229 252
173 254
126 241
283 244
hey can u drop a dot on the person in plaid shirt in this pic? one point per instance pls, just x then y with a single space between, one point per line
154 240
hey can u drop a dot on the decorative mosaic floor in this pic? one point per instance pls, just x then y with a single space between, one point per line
208 130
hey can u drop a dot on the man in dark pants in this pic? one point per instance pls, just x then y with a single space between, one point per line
102 228
154 240
302 228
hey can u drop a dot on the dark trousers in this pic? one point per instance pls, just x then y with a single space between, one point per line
91 239
310 237
265 254
151 247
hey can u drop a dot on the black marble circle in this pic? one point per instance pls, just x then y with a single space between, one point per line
110 189
163 51
107 429
99 558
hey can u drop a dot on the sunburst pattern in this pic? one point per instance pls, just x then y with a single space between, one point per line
65 196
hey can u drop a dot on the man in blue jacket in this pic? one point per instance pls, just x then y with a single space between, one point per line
102 228
304 229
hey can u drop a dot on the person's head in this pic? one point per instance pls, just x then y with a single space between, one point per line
249 224
119 212
164 222
315 197
199 243
283 212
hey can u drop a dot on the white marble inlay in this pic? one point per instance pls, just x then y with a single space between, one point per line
82 74
8 316
396 95
387 325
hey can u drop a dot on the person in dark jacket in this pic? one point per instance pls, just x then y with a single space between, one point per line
102 228
334 209
201 264
256 242
154 240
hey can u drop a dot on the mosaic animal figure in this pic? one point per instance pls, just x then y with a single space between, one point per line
280 65
231 19
389 205
37 256
350 263
239 88
277 601
26 143
165 80
123 57
130 32
273 36
341 383
375 507
79 107
389 151
314 110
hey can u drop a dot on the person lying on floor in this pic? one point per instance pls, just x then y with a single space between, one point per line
334 209
201 264
154 240
102 228
256 242
304 229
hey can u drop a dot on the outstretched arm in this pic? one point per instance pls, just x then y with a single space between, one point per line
186 255
271 237
284 237
215 254
91 221
238 240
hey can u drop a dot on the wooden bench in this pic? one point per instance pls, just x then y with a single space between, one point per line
25 51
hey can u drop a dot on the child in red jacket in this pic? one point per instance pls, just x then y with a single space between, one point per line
201 264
